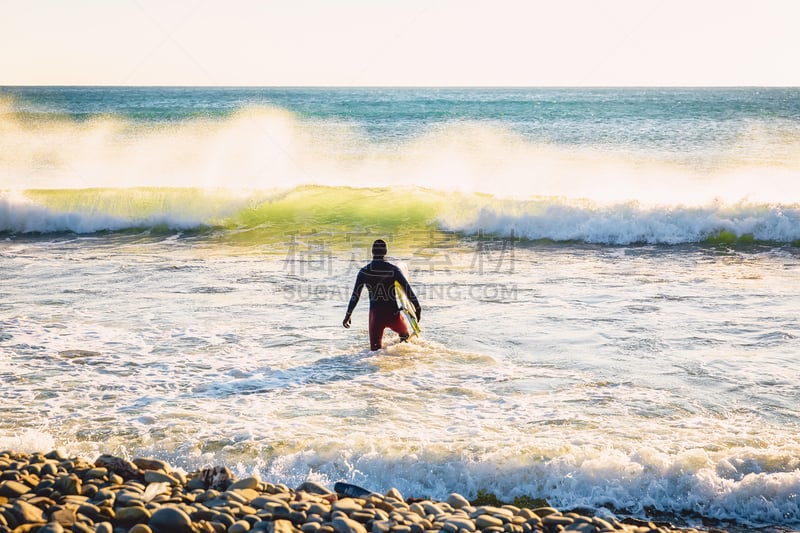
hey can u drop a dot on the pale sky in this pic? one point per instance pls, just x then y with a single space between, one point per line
400 42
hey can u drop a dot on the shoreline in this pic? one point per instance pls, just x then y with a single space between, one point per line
53 493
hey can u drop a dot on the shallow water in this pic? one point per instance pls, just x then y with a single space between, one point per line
624 377
608 278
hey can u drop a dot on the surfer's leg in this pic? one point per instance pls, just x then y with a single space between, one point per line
399 326
376 327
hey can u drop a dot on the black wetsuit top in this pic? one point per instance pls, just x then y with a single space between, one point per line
379 277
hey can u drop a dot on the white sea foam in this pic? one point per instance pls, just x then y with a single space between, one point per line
687 484
563 220
267 148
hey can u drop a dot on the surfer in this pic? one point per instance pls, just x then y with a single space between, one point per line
379 277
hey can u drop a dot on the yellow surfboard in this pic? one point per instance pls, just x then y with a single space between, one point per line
407 310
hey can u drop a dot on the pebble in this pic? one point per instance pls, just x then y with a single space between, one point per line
240 526
251 482
483 521
394 494
457 501
171 520
51 493
154 476
461 523
346 525
13 489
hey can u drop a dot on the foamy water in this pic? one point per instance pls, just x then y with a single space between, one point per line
626 348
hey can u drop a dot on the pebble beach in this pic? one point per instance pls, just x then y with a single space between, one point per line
52 493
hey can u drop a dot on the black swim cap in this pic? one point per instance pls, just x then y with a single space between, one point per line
379 248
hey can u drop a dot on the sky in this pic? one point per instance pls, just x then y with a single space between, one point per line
400 42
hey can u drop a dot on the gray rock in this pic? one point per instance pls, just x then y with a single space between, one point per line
346 525
545 511
240 526
382 526
224 518
154 476
128 516
313 487
457 501
95 473
394 493
310 527
170 519
483 521
146 463
80 527
65 516
13 489
26 513
52 527
347 505
557 520
281 526
251 482
460 523
69 484
104 527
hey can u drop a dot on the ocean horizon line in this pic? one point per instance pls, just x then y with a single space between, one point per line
382 86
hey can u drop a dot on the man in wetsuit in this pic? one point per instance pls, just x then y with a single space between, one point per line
379 277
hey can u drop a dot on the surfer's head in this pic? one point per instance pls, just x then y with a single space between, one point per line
379 249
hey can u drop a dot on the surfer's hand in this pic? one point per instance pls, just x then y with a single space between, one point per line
346 321
419 313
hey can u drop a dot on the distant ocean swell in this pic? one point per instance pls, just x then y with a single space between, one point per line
339 210
270 169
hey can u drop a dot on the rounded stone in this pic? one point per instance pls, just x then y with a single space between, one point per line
96 473
457 501
80 527
346 525
49 469
154 476
347 506
27 513
140 528
13 489
483 521
557 520
248 495
394 493
312 487
147 463
460 523
131 515
546 511
52 527
311 527
224 519
170 519
240 526
69 484
251 482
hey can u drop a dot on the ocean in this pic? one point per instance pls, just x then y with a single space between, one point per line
608 277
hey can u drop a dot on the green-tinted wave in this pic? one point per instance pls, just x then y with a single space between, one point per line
342 214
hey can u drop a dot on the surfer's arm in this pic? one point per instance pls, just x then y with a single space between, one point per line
354 299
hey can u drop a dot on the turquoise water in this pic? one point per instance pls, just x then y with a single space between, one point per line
608 277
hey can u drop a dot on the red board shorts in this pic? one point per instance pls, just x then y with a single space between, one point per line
379 321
